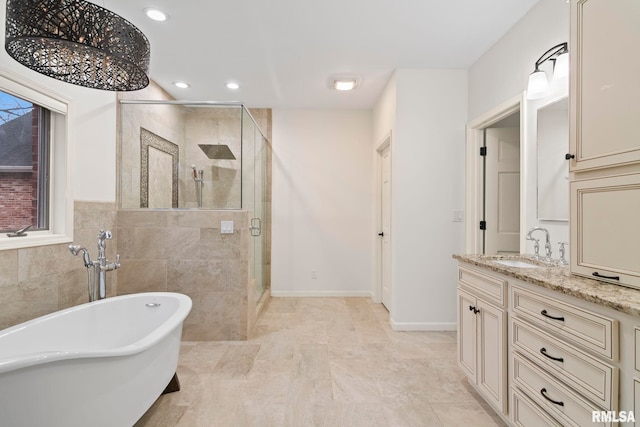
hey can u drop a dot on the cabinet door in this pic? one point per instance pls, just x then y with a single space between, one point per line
492 378
605 89
467 334
605 226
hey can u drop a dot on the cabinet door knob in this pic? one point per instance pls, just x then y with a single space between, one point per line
569 156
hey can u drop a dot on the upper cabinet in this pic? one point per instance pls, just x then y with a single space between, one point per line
605 140
605 84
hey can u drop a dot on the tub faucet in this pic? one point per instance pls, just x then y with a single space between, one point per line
547 245
97 284
103 263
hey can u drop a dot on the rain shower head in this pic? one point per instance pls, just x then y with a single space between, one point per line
217 151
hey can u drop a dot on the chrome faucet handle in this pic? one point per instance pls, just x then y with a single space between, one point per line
105 235
547 253
562 250
536 248
111 266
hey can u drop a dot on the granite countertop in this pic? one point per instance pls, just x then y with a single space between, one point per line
560 279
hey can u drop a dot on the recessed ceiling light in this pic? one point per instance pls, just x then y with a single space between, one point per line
156 14
344 83
181 85
232 85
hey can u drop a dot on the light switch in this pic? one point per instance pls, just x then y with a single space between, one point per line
226 227
457 216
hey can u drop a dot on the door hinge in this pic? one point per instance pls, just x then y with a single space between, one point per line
483 151
483 225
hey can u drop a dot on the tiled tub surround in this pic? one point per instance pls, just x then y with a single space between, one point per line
184 251
40 280
559 279
180 251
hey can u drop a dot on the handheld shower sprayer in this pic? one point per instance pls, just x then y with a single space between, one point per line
76 249
198 178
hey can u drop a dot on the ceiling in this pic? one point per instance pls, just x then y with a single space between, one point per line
283 53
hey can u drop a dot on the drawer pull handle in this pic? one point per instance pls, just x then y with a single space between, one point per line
596 274
543 351
544 313
543 392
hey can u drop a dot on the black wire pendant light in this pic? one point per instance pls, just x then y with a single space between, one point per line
77 42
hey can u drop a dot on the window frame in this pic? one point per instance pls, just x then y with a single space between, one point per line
60 210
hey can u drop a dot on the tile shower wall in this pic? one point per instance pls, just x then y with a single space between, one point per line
163 121
40 280
184 251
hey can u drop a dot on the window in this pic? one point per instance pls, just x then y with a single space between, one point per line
34 160
24 164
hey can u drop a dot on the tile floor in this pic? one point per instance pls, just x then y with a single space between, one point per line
322 362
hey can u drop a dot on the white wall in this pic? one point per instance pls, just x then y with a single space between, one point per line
427 185
91 130
502 73
322 214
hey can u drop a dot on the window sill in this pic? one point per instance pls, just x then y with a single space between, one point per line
29 241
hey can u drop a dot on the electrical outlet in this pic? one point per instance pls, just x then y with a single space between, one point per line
314 274
457 216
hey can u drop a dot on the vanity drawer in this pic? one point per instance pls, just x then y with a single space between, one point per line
526 413
584 328
491 288
562 403
592 378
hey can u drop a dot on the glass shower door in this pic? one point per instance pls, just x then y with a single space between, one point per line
253 197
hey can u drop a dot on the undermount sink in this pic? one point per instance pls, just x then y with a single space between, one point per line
515 263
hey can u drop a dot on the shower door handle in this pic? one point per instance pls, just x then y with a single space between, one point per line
256 227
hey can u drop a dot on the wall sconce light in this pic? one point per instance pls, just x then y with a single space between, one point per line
538 83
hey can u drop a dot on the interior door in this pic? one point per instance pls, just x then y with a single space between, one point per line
502 190
385 262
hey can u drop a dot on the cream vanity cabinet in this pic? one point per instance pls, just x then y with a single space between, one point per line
605 227
564 358
605 182
545 357
605 88
482 326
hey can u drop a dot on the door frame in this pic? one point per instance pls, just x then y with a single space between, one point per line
377 274
474 178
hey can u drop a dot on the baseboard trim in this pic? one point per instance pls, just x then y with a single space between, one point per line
422 326
320 294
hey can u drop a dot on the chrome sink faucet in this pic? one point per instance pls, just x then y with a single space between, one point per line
97 285
547 245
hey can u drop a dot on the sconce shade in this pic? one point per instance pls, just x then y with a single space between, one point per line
561 66
77 42
538 85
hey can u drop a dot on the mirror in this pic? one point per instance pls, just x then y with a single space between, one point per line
553 168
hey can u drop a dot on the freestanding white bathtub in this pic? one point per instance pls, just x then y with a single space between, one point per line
102 363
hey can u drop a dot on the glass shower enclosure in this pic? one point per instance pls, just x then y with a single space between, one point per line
197 156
